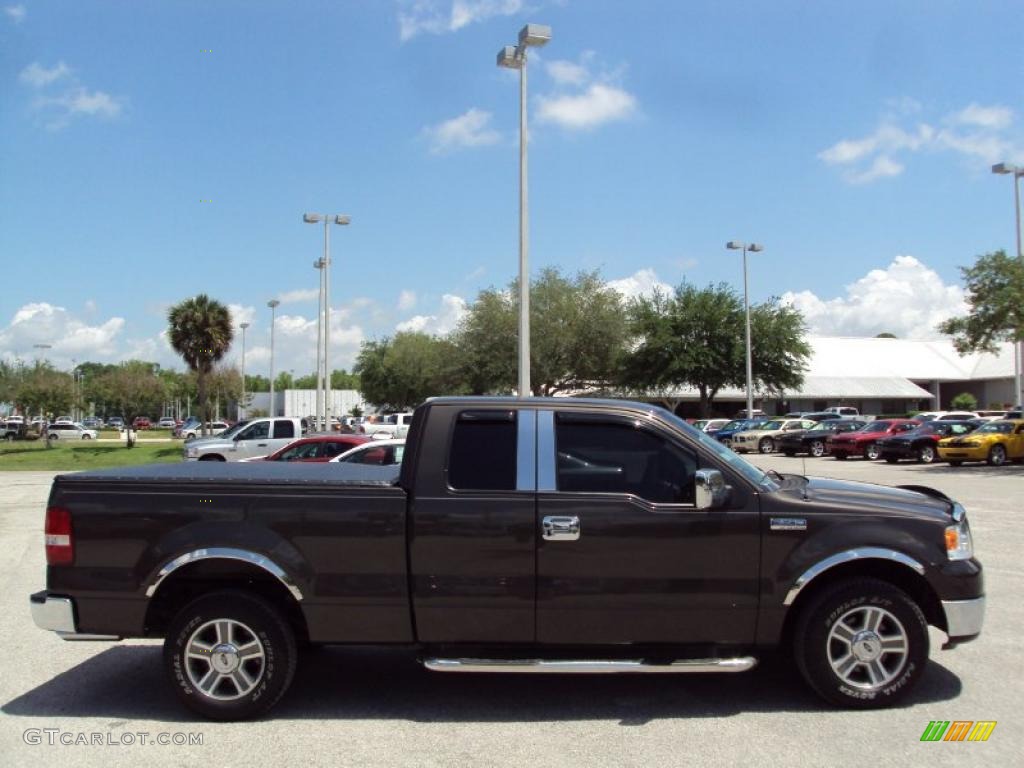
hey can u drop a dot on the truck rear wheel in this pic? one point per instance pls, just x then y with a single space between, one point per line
230 655
862 644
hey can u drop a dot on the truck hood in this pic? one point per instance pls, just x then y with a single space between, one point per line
866 497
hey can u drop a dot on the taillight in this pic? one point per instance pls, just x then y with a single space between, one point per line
60 548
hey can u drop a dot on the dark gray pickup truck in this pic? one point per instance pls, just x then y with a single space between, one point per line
532 535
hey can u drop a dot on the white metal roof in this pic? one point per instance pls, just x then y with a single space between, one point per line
928 360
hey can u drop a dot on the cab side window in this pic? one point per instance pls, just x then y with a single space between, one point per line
258 431
483 451
598 456
284 428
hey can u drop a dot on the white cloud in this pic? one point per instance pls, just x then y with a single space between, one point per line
567 72
980 134
882 166
906 298
446 320
68 336
643 282
239 315
15 13
435 17
82 101
600 103
38 76
984 117
298 296
470 129
406 300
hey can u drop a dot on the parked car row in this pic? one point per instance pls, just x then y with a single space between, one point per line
935 438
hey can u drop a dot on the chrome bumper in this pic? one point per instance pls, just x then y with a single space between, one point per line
57 614
964 617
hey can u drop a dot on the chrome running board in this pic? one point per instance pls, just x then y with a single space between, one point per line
585 666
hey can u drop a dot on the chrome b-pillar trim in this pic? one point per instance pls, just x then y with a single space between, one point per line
226 553
864 553
546 460
526 451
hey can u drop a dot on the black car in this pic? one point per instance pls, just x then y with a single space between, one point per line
922 443
815 441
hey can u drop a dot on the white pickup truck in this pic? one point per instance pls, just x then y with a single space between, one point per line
253 437
392 425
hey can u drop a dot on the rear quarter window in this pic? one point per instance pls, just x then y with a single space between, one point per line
482 456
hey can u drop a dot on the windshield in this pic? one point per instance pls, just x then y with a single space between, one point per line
770 425
875 426
232 431
998 427
733 459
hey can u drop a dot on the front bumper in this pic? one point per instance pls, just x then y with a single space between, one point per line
57 614
959 453
964 618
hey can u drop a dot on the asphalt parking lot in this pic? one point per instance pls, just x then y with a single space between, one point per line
379 708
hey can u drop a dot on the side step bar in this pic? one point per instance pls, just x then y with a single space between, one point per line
586 666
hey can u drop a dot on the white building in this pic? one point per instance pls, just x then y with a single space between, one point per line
879 376
302 402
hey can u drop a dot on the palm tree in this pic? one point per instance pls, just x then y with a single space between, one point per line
200 331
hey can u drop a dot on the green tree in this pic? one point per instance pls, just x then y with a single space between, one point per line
41 389
283 381
201 332
305 382
256 383
691 337
779 351
577 335
696 337
400 373
995 297
133 389
965 401
344 380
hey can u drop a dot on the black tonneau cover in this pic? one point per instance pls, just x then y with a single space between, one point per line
257 473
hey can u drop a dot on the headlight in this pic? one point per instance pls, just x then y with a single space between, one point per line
959 545
970 444
191 453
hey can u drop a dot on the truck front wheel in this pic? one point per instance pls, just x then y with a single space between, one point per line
862 644
230 655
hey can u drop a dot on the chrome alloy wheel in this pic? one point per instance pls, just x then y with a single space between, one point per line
224 659
867 647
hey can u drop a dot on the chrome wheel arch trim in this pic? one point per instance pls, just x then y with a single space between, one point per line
863 553
226 553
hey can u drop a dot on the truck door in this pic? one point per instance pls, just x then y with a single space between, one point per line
623 554
472 545
254 440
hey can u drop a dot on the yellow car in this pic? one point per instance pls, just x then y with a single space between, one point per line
996 443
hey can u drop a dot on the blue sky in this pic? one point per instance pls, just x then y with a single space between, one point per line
155 150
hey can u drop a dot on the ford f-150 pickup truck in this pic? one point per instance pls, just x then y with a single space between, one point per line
518 535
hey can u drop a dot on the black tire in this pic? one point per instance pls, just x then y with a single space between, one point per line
898 672
996 456
86 437
817 449
212 457
872 451
53 436
891 460
927 454
767 445
253 620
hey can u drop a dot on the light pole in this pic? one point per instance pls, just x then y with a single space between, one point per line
243 326
753 248
273 303
319 265
1018 348
514 57
342 220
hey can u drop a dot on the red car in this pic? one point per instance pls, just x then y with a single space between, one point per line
864 441
317 448
141 422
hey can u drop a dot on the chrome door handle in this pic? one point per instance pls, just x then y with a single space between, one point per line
561 528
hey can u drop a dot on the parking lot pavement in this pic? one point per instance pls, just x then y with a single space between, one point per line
378 708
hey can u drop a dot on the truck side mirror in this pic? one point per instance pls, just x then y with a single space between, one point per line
711 490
